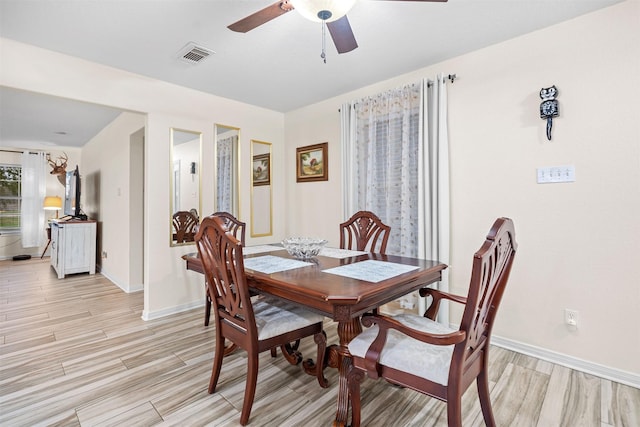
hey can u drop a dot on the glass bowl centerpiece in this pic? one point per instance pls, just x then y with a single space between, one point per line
303 247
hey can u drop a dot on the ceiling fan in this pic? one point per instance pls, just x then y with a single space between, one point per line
332 13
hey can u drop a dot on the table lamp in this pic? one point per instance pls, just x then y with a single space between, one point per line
53 203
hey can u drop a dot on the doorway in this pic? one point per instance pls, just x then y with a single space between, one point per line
136 204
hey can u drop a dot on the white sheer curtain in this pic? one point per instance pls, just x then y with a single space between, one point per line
34 187
395 164
434 190
224 179
384 163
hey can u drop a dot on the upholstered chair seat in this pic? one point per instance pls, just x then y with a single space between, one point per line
407 354
275 317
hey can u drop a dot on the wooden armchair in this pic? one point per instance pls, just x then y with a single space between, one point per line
254 326
237 229
421 354
184 226
364 231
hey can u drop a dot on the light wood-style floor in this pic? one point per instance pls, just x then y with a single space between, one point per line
75 352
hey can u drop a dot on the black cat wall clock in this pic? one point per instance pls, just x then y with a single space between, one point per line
549 106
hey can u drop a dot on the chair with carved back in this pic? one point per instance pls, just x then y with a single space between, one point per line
418 353
364 231
184 226
233 225
237 229
254 325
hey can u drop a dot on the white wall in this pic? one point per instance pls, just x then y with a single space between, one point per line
168 287
579 242
105 176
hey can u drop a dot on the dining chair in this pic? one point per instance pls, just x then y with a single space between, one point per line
233 225
184 226
434 359
237 229
254 325
364 231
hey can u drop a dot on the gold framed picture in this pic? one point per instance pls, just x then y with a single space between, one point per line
261 169
312 163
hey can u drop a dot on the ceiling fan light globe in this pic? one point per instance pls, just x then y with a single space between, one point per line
313 10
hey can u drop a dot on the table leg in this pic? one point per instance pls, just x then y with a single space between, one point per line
339 357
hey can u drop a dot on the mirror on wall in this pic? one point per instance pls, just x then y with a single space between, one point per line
185 185
261 210
227 167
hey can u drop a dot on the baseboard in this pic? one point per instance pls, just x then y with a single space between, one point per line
150 315
128 289
619 376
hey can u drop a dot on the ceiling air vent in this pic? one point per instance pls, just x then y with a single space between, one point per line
194 54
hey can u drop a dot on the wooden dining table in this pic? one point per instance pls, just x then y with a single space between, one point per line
341 298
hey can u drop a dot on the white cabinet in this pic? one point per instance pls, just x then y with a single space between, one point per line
73 247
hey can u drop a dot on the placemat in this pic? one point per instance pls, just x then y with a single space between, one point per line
339 253
371 270
269 264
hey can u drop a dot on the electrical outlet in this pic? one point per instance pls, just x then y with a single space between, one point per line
104 254
571 317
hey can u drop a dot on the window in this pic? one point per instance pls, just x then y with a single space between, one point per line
386 163
10 197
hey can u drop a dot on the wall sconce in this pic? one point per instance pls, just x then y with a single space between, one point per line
52 203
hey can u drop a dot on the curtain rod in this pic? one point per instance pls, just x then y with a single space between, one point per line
20 152
451 77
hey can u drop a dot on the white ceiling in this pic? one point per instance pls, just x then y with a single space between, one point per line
276 65
31 120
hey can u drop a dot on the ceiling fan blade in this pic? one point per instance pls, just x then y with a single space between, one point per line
342 35
443 1
262 16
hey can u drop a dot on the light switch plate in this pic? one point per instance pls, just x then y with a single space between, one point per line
555 174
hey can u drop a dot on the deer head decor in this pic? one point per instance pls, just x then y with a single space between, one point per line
59 169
